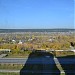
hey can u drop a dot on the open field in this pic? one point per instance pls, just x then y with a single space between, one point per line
15 74
9 73
17 56
11 66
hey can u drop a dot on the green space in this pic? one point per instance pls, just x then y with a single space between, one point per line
20 54
17 74
9 73
25 54
11 66
64 53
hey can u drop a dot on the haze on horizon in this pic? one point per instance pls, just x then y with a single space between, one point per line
37 14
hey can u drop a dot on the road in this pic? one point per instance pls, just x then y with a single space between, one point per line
9 71
13 60
37 63
42 63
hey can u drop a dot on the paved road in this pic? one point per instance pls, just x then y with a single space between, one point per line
37 63
36 60
13 60
42 63
10 71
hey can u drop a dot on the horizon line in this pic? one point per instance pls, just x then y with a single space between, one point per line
37 28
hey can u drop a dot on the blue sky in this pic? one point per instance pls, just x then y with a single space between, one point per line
36 14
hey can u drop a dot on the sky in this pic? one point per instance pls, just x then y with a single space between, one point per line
36 14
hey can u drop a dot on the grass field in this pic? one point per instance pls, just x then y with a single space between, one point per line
16 74
18 55
11 66
9 73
